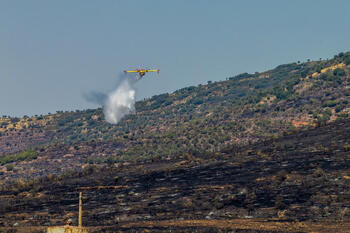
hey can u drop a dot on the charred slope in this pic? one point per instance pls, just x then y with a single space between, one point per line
300 176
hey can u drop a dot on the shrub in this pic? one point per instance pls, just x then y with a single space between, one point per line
339 72
331 103
347 59
24 155
9 167
339 108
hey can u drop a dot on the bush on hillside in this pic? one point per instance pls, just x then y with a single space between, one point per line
25 155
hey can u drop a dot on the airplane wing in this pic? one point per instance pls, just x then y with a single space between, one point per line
131 71
152 71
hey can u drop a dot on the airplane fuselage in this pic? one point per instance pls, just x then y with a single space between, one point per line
140 71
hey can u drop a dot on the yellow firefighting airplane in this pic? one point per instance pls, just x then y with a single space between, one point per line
141 72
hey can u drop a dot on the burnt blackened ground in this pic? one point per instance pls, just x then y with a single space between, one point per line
303 176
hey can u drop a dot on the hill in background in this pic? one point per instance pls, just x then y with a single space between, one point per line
198 120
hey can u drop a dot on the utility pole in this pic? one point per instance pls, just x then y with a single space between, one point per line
80 211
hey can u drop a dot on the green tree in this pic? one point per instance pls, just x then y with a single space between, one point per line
339 72
347 59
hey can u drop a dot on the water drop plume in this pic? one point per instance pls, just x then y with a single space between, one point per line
121 101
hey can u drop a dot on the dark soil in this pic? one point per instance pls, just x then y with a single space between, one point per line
303 176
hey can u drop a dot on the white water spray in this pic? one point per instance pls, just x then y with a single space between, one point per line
120 102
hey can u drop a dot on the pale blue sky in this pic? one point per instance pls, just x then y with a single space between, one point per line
51 52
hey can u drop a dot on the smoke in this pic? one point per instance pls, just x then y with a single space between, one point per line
95 97
117 103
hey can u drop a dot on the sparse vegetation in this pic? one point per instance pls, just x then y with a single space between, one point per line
25 155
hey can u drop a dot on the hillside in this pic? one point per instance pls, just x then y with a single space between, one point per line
298 182
196 120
